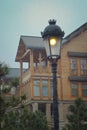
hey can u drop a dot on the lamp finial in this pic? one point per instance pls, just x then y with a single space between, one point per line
53 21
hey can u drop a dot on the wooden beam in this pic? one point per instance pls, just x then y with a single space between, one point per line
27 51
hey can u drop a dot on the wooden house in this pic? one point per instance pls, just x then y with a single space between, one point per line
36 80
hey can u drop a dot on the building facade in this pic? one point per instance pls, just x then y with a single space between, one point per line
36 80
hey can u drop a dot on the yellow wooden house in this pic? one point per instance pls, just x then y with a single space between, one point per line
36 79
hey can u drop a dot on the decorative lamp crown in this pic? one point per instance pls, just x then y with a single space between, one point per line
52 30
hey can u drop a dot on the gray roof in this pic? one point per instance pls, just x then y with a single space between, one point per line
13 73
37 42
32 42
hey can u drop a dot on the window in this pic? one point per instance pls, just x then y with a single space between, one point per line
73 66
45 87
74 89
36 87
84 89
84 66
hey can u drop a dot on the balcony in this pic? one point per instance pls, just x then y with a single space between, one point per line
37 70
41 69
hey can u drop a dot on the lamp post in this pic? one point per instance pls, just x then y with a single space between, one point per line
52 36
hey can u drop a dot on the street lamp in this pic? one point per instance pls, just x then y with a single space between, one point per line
52 36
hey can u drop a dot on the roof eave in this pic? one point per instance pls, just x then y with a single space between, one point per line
75 33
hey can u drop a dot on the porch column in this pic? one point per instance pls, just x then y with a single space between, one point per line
21 75
31 61
48 67
61 107
48 112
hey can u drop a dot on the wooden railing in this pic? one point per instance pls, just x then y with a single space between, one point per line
26 75
41 69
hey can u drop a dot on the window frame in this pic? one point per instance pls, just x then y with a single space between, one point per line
82 69
77 93
34 88
73 69
46 87
84 89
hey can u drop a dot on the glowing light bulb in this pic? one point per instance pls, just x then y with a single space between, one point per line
53 41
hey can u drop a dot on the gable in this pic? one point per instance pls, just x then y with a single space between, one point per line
76 44
34 44
75 33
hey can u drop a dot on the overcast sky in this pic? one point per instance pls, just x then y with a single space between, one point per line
30 17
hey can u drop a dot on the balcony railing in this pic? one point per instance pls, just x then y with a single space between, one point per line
35 70
26 75
40 69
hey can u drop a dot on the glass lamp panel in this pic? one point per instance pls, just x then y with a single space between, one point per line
46 45
55 50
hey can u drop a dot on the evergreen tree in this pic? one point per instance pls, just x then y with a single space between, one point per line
77 117
33 121
14 115
23 119
3 105
15 82
3 70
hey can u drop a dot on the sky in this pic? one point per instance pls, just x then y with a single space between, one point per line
30 17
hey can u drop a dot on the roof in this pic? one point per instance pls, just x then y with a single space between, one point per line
32 42
75 33
13 73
